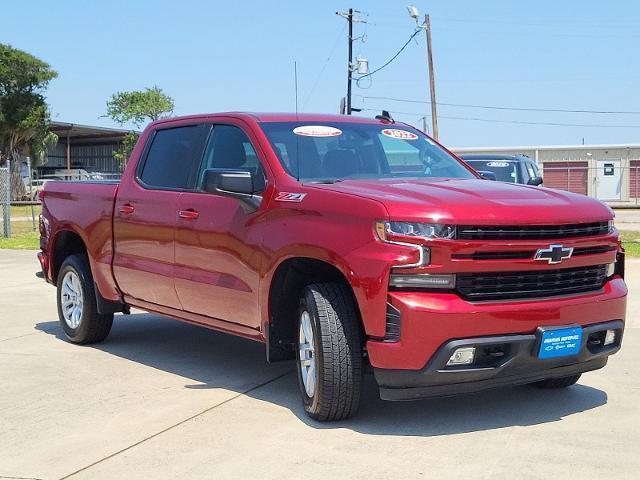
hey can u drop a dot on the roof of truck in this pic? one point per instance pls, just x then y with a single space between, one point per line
279 117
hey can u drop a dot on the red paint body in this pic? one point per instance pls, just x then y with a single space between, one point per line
216 268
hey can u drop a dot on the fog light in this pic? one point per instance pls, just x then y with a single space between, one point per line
611 269
610 337
462 356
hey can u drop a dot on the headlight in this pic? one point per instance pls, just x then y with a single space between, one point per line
612 225
408 231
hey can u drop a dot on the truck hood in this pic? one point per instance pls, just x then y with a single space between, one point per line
475 201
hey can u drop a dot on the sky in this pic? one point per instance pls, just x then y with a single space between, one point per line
213 56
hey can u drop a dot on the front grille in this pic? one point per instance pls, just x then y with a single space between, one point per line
578 251
592 250
530 284
538 232
493 255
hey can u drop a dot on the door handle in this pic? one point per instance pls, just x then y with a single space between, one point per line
188 214
126 209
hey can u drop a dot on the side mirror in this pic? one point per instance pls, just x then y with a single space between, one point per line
535 181
228 183
487 175
237 184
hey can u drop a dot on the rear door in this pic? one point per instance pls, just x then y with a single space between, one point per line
146 214
218 242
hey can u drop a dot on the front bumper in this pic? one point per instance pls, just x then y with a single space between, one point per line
518 364
430 320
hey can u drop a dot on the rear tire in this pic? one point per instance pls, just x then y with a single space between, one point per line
329 361
77 307
562 382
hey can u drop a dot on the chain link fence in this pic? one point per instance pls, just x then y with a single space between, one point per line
5 200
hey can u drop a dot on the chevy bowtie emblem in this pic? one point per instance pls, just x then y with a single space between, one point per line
554 254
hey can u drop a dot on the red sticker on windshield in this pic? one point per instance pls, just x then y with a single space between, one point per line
399 134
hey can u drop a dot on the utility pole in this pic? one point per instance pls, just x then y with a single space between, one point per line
349 17
350 73
432 80
361 65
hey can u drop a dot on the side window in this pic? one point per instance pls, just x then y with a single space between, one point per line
283 153
229 147
171 159
531 171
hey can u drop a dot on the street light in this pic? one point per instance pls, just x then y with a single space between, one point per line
413 12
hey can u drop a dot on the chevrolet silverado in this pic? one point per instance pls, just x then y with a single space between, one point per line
348 244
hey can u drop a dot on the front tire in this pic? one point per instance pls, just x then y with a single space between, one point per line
562 382
329 362
77 307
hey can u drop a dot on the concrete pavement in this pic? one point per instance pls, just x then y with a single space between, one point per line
628 219
162 399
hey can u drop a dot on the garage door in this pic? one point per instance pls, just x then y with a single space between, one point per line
570 176
634 179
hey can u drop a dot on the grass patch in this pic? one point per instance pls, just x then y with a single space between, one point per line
22 236
22 227
631 242
21 241
25 211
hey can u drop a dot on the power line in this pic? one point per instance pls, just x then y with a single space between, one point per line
326 62
392 58
555 22
520 32
496 107
521 122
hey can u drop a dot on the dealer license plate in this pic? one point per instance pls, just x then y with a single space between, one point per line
560 342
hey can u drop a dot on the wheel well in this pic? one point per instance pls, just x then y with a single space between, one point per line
67 243
289 280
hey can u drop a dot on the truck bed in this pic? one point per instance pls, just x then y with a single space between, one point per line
85 208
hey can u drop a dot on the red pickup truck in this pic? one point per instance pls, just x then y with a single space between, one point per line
343 243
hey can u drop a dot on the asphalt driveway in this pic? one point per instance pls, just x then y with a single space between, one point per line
162 399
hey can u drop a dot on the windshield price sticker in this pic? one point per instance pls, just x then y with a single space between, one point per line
399 134
498 164
317 131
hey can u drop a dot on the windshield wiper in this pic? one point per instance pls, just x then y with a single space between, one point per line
328 181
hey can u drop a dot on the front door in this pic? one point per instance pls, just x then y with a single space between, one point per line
218 241
146 214
608 180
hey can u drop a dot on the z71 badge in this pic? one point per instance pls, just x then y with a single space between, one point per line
290 197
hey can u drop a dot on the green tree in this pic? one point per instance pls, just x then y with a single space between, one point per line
24 114
137 107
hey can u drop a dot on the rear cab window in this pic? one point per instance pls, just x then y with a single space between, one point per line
505 170
172 158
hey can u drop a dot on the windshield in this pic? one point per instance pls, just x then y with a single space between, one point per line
337 151
505 171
